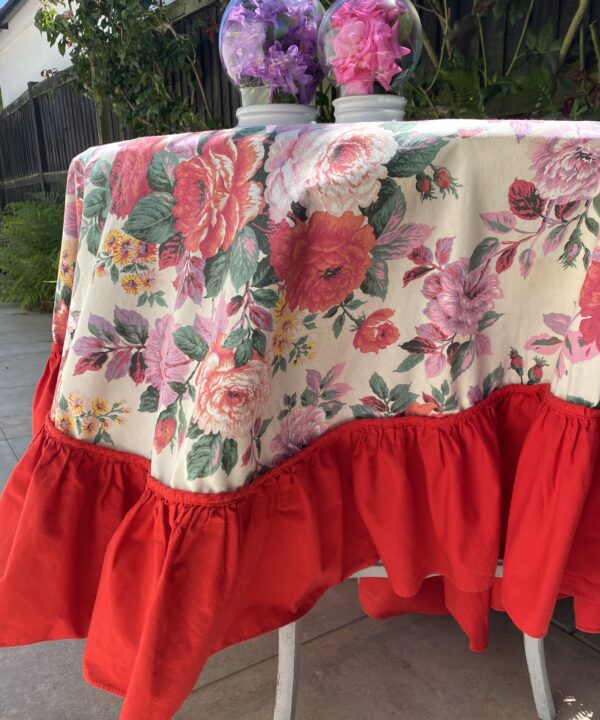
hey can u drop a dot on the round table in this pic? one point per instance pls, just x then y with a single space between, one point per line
282 355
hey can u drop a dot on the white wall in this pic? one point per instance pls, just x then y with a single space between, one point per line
24 53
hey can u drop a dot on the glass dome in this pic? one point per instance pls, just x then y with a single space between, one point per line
269 49
370 47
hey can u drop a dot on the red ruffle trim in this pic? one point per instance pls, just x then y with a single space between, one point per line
160 579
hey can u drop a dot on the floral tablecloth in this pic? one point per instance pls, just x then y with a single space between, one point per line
281 354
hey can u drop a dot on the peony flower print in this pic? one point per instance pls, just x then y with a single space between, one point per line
333 171
215 195
458 299
298 429
567 170
229 398
322 261
165 363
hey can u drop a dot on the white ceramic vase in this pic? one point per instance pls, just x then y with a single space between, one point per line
369 108
276 114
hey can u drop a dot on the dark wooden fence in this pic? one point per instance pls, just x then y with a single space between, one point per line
52 122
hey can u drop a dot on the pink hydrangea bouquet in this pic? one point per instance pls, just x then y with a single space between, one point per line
367 46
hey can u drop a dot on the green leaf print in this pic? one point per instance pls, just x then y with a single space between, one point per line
190 343
152 218
243 259
205 457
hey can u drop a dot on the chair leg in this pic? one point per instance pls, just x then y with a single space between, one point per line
538 675
287 672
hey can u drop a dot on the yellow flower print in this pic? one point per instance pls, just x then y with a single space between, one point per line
110 241
89 426
281 343
312 349
125 250
63 421
147 279
99 271
285 317
131 284
66 271
286 323
76 403
99 406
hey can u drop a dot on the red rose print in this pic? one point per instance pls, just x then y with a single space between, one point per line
590 306
423 183
128 181
376 332
164 432
215 195
525 201
322 261
441 178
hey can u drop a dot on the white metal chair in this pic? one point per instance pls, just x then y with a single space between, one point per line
289 657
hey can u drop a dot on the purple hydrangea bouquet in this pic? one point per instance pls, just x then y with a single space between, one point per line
269 49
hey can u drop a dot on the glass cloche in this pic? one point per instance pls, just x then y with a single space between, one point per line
269 49
370 47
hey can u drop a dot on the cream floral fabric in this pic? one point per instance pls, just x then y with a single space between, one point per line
226 298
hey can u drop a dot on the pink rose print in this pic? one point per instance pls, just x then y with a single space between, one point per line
230 399
298 429
566 170
328 170
458 299
215 195
165 363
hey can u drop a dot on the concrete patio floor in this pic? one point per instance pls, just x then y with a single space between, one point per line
352 668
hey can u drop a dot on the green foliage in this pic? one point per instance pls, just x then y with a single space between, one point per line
30 237
120 50
546 76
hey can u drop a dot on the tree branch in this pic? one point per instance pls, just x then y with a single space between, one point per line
572 31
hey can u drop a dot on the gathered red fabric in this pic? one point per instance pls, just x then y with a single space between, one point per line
159 579
61 505
44 391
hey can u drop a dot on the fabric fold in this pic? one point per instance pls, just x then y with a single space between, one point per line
553 542
45 389
61 505
159 579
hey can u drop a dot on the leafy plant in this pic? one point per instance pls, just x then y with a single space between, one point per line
30 238
547 76
127 53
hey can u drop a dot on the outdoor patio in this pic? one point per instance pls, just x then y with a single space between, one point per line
352 668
